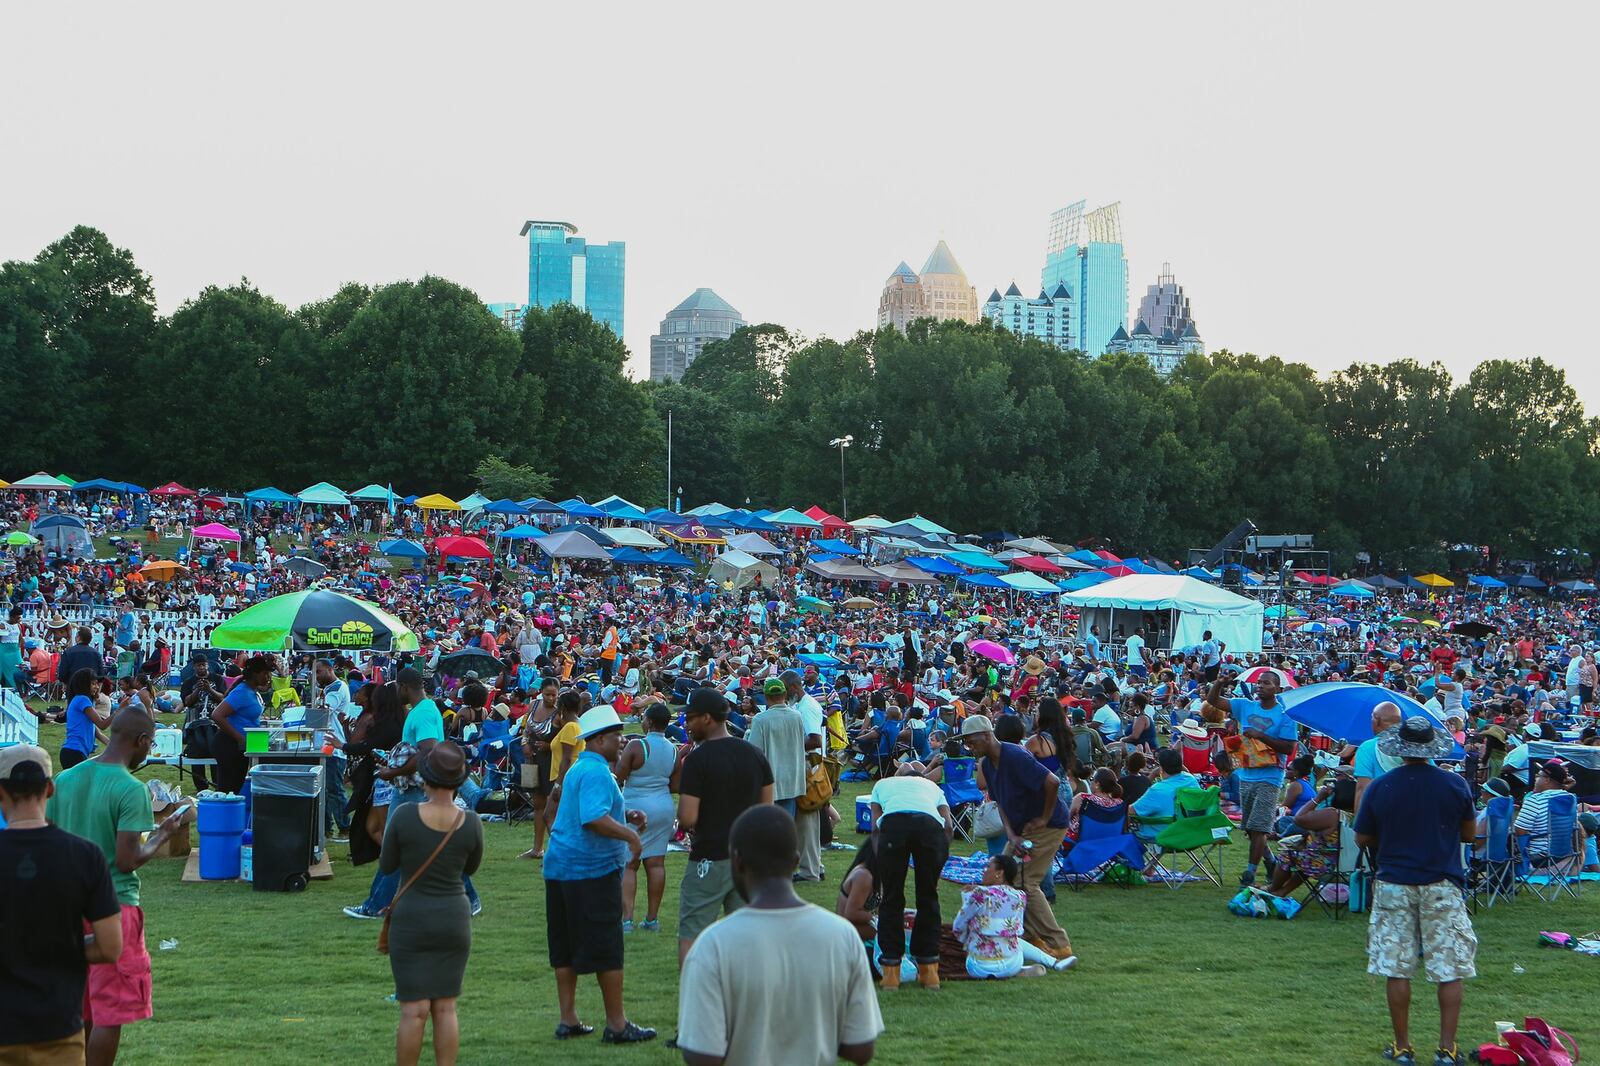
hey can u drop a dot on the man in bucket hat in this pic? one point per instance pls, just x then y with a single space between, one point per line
1416 817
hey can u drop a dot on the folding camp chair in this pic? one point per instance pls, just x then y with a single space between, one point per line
1198 832
1564 862
1103 839
961 792
1346 856
1497 876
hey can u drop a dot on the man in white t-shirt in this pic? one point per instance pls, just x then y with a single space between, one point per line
739 1000
1135 660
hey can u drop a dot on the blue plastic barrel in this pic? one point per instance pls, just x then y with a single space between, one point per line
221 823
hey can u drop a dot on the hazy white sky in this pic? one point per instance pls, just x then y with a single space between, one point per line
1330 184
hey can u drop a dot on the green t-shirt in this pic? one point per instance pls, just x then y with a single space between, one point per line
96 801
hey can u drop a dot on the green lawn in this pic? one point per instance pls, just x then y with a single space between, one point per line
1165 976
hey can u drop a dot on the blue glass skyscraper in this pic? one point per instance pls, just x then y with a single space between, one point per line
1084 253
565 268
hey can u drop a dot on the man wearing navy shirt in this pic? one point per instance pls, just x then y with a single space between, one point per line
1416 817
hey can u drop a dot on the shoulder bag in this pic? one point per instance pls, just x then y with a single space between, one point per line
383 934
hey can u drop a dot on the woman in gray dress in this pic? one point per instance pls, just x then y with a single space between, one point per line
645 769
430 925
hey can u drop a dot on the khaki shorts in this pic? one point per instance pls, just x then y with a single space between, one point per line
1420 921
68 1051
707 893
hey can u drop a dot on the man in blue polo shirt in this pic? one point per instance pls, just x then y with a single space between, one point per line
1029 799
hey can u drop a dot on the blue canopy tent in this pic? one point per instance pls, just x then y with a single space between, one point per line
837 547
541 506
983 581
721 523
1351 590
621 509
269 495
1412 583
505 507
520 533
671 557
1199 573
632 557
576 508
1486 581
1524 581
977 561
402 549
1575 585
1084 581
749 523
660 516
932 564
100 484
596 535
1158 567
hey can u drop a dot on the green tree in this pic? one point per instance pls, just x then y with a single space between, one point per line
437 384
705 463
328 318
598 434
500 480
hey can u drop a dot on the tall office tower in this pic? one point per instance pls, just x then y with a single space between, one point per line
509 313
1049 317
703 317
940 291
1165 308
565 268
1084 253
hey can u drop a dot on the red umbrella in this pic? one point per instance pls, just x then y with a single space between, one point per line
1038 564
171 488
462 548
1251 677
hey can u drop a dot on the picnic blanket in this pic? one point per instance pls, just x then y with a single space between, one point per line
968 870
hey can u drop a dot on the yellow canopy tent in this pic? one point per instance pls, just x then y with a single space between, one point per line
1435 581
437 502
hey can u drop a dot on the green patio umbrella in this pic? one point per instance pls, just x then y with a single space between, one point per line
17 539
316 620
811 603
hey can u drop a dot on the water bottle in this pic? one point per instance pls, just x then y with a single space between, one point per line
246 857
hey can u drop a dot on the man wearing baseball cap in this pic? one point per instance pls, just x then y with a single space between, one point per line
779 733
51 884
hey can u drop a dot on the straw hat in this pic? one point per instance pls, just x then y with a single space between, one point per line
1192 729
1415 738
1034 666
597 720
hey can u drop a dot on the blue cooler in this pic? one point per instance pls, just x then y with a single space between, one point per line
863 814
221 823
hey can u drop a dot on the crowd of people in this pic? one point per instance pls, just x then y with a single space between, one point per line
626 718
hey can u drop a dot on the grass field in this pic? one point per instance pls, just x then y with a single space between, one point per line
1165 976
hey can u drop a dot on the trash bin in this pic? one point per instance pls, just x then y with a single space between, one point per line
283 825
221 824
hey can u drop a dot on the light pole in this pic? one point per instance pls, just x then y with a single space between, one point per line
842 443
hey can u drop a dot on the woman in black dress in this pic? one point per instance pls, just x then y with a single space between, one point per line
432 844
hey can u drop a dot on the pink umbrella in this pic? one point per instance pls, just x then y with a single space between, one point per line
995 652
1251 677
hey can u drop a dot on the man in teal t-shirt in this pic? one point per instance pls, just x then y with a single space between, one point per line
1264 721
101 801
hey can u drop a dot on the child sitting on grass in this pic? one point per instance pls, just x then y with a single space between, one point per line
989 925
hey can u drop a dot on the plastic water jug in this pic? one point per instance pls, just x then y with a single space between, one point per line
246 859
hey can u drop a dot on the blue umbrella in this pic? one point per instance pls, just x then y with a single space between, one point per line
241 568
1343 709
404 549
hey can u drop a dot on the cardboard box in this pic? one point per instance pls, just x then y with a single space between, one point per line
177 845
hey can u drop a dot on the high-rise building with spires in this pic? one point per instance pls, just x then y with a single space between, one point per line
940 290
702 317
565 268
1084 252
1049 317
1164 332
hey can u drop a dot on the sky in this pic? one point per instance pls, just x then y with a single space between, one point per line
1331 183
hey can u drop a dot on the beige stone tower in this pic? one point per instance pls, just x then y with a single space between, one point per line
940 291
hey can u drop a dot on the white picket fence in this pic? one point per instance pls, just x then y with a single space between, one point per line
184 632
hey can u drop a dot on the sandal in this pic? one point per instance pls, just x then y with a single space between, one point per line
628 1034
531 854
567 1032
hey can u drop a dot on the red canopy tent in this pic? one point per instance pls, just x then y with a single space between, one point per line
462 548
171 488
1118 571
1038 564
1108 557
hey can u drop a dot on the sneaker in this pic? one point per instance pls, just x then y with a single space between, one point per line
627 926
649 925
628 1034
1067 963
357 912
477 907
1247 878
1450 1056
1393 1052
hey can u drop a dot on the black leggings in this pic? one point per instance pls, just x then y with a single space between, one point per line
230 769
71 757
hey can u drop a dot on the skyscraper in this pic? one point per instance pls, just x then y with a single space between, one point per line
565 268
1049 317
940 291
1165 308
509 313
1164 332
1084 253
703 316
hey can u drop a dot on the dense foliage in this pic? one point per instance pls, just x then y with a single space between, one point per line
417 385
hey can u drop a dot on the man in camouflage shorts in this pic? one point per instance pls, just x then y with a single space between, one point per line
1416 817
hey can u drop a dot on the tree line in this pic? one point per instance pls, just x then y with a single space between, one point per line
416 384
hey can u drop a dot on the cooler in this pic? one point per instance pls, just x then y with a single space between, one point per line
863 814
283 825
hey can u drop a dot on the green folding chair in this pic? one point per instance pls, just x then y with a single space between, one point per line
1198 832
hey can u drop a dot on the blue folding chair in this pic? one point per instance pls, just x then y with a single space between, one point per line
1499 879
961 792
1564 862
1103 839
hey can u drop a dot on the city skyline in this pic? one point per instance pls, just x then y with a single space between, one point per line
1278 175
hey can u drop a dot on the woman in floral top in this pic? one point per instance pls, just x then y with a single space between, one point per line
990 927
